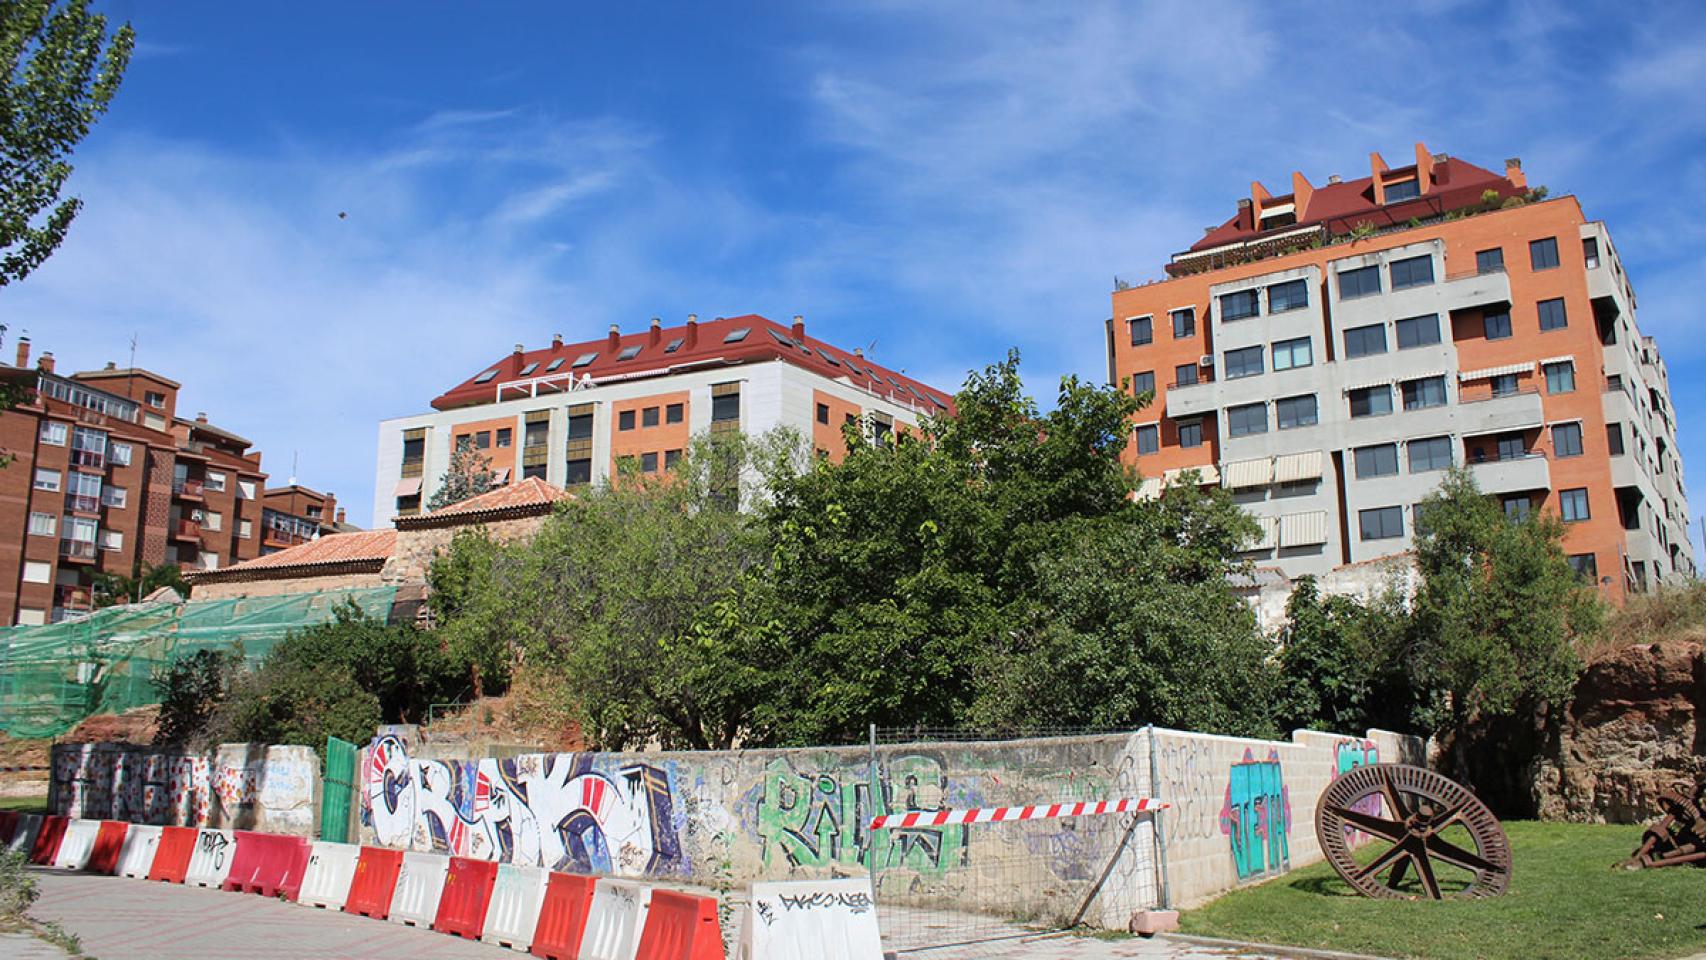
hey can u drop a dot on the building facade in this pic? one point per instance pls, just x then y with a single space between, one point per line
1327 353
107 478
567 414
294 514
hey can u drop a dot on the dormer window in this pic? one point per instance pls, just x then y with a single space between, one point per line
1403 190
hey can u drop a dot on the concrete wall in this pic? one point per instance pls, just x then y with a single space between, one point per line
236 785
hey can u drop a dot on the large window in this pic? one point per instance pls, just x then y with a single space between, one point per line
1497 325
1566 439
1560 377
1424 393
1504 385
1614 438
1291 295
578 471
1190 433
1293 412
1430 453
53 433
580 428
1380 460
1543 253
1361 282
1239 305
1381 523
1365 341
1141 383
1148 438
1184 323
1585 567
1184 374
1243 363
1490 261
1293 353
1412 272
1512 446
1142 330
1247 419
1573 505
1371 401
1517 507
725 407
1418 331
1552 315
1403 190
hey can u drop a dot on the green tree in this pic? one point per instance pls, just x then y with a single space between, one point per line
474 612
59 70
112 589
191 690
1339 662
468 476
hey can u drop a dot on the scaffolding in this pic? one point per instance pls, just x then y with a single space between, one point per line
53 676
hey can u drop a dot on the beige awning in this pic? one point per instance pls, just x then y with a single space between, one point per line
1298 466
500 476
1364 385
1303 529
1571 360
1508 368
407 487
1149 489
1249 473
1265 540
1206 474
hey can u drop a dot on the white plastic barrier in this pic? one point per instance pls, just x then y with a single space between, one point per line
811 920
78 845
210 863
420 882
24 838
136 856
614 920
331 869
513 912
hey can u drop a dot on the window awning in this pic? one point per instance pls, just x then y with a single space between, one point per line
1508 368
1571 360
500 476
1249 473
1269 534
1298 466
1364 385
407 487
1303 529
1206 474
1149 489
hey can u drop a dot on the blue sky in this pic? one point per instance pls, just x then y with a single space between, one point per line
943 180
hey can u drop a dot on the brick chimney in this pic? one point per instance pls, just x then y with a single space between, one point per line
519 350
201 416
859 352
23 352
799 327
556 341
615 338
657 331
340 520
45 364
1513 173
692 330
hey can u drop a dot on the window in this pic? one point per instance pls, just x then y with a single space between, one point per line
1381 523
1247 419
414 449
1496 325
119 453
154 421
487 376
1361 282
1552 316
578 472
628 353
1590 252
110 540
625 420
1418 331
1380 460
1365 341
1148 438
1142 383
245 529
725 407
1243 363
1573 504
675 413
1371 401
1512 447
43 524
1560 377
823 413
483 440
649 416
212 520
1424 393
554 364
1490 261
671 458
114 497
584 359
1517 507
648 463
1184 374
1585 567
36 572
1190 433
1430 453
53 433
1403 190
1291 295
47 480
506 437
1614 382
153 399
1412 272
465 442
1239 305
527 371
1293 412
1566 439
1293 353
1614 438
1504 385
246 489
1142 330
1184 323
215 481
1543 254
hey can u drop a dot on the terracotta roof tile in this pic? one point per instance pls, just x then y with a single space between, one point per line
529 492
334 548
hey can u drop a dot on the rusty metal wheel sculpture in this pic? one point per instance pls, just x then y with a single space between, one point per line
1432 825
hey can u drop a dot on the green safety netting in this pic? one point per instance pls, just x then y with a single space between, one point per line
53 676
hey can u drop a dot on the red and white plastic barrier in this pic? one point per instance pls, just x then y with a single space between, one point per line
419 885
210 864
812 920
78 845
513 913
937 818
331 870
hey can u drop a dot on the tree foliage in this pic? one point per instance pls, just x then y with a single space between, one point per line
111 589
59 70
1339 661
468 476
191 690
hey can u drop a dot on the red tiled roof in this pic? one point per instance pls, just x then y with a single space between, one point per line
530 492
332 550
765 340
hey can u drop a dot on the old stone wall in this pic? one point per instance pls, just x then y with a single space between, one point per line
416 548
236 785
277 588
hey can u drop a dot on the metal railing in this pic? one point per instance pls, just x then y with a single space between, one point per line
80 503
188 488
77 549
188 530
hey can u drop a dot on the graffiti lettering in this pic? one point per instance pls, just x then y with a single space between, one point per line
1257 816
1187 776
1347 756
818 818
826 900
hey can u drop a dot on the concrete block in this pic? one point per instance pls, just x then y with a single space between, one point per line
1148 923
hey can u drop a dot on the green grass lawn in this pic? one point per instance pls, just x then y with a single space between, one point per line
29 804
1566 902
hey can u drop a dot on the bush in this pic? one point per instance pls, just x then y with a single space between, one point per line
17 887
191 690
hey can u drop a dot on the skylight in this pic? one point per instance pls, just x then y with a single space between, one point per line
855 368
554 364
832 361
525 371
736 336
674 345
484 377
585 359
780 338
628 353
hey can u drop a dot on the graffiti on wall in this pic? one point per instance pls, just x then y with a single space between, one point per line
1347 756
1256 815
162 788
817 817
582 813
1187 778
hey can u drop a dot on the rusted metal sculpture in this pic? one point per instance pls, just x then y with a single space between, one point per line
1426 820
1680 835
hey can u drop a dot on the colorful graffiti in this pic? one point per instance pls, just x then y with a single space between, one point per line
161 788
582 813
816 818
1347 756
1257 816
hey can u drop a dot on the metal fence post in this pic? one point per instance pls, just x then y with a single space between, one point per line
1160 819
879 806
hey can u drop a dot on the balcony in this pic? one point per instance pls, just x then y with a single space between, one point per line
92 459
82 551
78 503
1192 399
72 598
187 530
1472 290
1513 411
1513 475
277 536
189 489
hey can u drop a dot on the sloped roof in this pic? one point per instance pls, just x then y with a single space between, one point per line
338 550
530 497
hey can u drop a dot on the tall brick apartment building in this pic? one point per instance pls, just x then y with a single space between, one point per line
568 413
1326 353
107 477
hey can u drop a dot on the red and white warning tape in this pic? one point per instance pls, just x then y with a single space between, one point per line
25 769
937 818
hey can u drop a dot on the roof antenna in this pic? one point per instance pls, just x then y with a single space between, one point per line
293 456
130 375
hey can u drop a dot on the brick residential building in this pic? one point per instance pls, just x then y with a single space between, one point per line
108 478
1326 353
567 413
294 514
